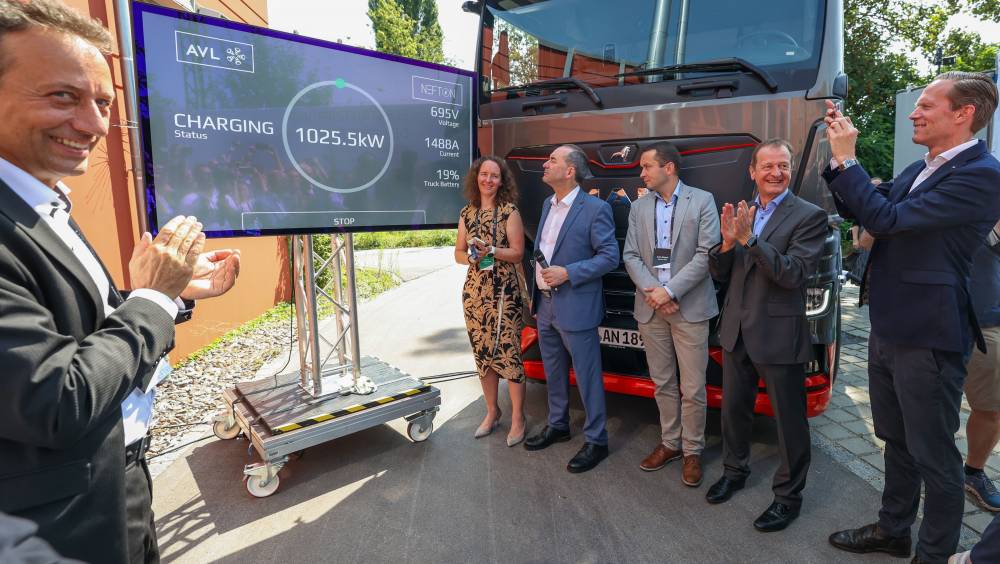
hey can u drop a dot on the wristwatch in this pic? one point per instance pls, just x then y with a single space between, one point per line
848 163
751 242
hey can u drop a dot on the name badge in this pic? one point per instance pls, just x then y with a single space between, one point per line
163 369
487 263
661 257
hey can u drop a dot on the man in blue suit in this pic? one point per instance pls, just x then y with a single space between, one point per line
927 224
576 235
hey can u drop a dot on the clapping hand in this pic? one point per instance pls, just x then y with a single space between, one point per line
165 263
737 224
214 274
841 133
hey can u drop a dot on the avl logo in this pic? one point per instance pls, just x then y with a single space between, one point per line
203 50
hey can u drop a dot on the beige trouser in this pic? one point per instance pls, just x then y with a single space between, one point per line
682 408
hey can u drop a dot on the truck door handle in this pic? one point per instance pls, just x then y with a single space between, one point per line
717 85
540 102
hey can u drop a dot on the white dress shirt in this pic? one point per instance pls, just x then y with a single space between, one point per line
53 207
931 164
938 161
550 231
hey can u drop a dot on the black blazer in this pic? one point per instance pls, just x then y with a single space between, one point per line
66 368
766 293
924 241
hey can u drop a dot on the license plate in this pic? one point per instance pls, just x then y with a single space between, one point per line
614 337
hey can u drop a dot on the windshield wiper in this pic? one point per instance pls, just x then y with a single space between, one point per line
727 64
553 83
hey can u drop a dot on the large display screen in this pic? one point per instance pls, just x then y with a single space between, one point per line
259 132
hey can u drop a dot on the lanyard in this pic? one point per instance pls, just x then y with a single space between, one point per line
673 216
496 213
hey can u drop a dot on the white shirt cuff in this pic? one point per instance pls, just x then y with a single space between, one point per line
834 164
670 292
158 298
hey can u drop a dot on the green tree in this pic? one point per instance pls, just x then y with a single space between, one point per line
875 74
393 28
408 28
427 29
969 50
985 9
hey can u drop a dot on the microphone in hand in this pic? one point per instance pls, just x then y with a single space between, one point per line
540 259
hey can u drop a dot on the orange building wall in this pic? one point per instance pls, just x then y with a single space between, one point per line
104 205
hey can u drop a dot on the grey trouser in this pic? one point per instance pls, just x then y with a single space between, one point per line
672 342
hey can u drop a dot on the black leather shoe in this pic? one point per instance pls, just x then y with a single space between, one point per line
870 539
776 518
587 458
722 490
545 438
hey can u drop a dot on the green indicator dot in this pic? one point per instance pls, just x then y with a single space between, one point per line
339 83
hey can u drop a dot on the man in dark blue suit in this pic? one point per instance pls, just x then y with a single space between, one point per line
927 224
576 235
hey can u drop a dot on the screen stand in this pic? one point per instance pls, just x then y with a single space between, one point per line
317 375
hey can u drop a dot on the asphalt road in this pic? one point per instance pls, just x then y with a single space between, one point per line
376 497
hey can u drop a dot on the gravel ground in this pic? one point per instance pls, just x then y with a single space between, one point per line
190 398
188 401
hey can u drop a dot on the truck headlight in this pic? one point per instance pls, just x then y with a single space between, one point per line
817 301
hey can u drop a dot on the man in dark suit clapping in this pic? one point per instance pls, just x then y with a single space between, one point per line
927 224
767 253
78 357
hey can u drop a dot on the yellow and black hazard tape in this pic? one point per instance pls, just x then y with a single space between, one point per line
349 410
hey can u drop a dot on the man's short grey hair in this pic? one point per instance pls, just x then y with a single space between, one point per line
774 142
972 89
20 15
577 159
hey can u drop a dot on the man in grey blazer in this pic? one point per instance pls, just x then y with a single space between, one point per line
670 231
767 253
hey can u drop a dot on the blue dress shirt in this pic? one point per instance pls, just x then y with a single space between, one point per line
764 213
664 220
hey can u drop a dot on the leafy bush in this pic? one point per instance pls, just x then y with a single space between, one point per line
405 239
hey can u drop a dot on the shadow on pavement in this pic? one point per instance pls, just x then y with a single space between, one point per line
445 339
376 497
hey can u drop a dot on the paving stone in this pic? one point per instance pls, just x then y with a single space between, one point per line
839 415
978 521
820 419
834 432
860 427
840 400
857 410
963 446
994 461
858 446
876 460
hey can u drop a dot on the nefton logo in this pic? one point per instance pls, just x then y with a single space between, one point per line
208 51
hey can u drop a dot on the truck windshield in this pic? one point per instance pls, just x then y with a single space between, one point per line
604 42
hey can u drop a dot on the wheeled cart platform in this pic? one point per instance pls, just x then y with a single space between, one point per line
281 418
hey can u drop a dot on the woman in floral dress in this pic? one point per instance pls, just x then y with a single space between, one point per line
491 242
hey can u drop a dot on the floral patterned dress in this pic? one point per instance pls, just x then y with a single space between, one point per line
492 299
